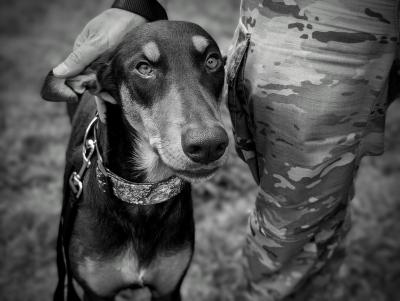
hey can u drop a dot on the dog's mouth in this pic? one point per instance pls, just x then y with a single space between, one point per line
193 174
197 175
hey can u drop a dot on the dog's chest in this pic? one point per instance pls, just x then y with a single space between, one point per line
106 278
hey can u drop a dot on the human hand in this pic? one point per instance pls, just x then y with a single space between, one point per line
102 33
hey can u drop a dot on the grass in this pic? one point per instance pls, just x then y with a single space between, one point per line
36 35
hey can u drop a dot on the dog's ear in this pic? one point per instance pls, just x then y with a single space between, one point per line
55 89
69 90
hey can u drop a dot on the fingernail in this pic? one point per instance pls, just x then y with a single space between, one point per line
60 70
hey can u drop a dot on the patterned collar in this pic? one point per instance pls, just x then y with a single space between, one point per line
138 193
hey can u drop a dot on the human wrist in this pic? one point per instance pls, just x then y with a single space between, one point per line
151 10
122 14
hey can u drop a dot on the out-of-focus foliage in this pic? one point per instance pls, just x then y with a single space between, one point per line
36 35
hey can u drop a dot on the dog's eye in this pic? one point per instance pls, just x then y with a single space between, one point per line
144 69
213 62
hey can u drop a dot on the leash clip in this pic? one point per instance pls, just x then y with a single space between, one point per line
76 184
88 149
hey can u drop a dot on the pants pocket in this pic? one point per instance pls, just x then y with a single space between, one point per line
238 100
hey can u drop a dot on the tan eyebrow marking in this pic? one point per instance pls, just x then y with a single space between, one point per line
200 43
152 52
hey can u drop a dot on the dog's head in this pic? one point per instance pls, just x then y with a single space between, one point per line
167 77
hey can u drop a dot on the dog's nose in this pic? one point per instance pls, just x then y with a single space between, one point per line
205 145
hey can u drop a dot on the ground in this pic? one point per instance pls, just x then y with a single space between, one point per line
36 35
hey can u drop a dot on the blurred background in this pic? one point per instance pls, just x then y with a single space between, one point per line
35 36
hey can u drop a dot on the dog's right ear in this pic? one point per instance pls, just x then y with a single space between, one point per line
69 90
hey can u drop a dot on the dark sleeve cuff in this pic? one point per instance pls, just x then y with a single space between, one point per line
149 9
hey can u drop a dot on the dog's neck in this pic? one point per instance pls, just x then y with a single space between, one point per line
127 153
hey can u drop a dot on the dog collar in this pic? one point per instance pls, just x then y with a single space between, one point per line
138 193
124 190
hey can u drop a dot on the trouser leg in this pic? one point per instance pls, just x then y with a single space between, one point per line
308 90
279 265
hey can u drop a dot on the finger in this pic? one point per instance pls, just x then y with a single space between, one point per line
77 61
80 40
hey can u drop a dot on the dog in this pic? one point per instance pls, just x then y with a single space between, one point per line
159 93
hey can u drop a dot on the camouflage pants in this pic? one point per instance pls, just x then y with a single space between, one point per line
308 87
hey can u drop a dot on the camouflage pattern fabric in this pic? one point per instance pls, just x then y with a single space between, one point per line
308 84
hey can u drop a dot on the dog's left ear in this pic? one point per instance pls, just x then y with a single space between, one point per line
55 89
70 90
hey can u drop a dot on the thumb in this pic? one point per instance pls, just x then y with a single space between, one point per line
77 61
